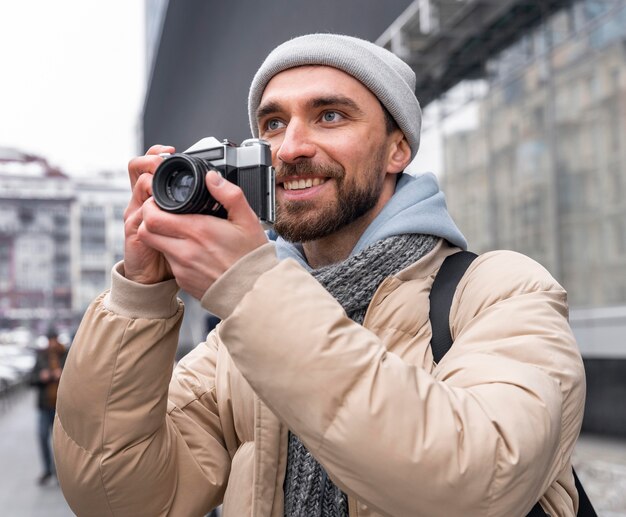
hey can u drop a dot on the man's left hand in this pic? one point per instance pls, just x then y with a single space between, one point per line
200 248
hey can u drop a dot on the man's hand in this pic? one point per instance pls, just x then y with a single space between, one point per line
200 248
142 263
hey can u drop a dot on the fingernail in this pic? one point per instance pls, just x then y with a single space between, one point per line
215 178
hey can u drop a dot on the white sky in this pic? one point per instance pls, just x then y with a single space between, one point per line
72 81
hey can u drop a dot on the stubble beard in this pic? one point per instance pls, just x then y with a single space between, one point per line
304 221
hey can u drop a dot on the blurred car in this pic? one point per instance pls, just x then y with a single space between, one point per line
16 363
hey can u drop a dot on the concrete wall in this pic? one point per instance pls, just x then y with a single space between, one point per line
209 51
605 410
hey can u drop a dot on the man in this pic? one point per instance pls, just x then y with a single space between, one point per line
317 393
45 377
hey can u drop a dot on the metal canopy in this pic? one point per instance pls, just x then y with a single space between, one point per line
447 41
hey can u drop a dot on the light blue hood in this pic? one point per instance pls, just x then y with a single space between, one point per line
417 206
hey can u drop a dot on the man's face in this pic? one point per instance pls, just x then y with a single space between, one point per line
330 149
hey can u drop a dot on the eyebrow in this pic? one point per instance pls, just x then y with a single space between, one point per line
267 109
317 102
336 100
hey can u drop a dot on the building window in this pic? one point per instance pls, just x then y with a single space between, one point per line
92 229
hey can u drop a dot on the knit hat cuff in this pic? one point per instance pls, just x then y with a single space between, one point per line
390 79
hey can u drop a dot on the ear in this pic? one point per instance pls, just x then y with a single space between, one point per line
399 153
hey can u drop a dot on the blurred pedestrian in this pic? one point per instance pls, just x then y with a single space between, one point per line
45 377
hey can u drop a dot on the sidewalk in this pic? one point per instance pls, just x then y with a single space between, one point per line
20 495
599 461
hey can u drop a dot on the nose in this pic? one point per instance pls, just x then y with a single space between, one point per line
297 144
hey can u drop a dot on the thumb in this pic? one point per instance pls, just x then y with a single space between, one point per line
231 197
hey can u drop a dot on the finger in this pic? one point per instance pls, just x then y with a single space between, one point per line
166 244
132 220
160 149
163 223
232 198
133 215
147 163
141 192
142 165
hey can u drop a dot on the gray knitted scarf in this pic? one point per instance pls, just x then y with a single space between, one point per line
309 492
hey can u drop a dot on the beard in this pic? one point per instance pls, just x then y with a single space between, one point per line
303 221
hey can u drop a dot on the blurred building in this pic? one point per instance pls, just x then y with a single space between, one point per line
98 225
59 238
544 170
35 240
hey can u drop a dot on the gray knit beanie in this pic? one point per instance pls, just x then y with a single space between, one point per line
384 73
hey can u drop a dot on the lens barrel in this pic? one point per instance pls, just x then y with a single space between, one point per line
179 186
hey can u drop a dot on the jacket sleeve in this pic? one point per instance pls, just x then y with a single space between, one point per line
121 448
485 433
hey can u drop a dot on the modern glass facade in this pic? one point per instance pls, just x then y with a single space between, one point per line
540 165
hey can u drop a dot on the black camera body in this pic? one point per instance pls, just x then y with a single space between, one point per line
179 185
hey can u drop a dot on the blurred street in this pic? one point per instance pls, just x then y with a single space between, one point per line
600 463
601 466
20 495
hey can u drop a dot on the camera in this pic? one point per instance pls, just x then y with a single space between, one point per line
179 185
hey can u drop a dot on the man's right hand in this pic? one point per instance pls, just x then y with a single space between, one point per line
141 263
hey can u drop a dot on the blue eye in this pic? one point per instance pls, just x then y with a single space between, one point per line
274 124
331 116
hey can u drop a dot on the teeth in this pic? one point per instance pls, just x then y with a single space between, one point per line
303 183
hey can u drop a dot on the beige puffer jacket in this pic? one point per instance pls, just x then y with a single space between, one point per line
486 432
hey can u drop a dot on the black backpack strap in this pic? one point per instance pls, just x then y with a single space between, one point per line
537 511
585 508
441 294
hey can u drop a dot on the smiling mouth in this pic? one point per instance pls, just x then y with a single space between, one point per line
301 184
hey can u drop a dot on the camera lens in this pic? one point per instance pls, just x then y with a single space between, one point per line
178 186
